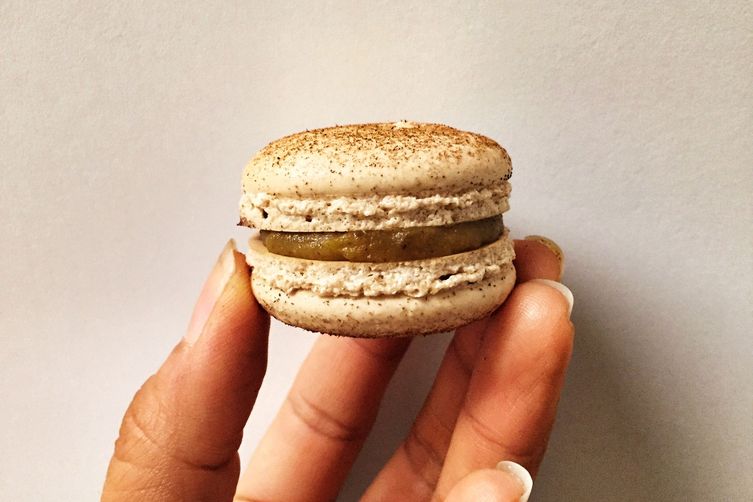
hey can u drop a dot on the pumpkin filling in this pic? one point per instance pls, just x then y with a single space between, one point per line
379 246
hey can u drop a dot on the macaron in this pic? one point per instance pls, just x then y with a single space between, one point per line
377 230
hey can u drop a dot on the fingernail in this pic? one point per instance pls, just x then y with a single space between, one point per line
521 474
219 277
552 246
562 289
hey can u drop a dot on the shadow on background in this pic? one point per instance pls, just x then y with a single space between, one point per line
624 430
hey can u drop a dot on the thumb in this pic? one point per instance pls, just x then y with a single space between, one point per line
509 482
180 435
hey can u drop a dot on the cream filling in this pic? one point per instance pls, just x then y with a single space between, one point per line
418 278
378 212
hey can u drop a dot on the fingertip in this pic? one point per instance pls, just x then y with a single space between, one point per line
222 275
562 289
521 474
552 246
240 262
241 293
534 328
540 300
231 351
536 260
488 485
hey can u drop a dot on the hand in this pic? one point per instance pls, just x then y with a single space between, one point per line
494 399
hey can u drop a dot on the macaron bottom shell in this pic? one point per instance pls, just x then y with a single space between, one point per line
386 316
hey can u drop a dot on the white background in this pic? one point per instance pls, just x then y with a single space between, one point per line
124 130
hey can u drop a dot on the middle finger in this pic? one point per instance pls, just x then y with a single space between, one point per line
320 428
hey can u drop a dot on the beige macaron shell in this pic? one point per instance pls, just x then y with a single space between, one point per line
367 159
386 316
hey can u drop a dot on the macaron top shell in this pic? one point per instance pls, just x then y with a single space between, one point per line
396 158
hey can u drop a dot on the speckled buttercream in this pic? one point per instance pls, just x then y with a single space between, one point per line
416 278
376 212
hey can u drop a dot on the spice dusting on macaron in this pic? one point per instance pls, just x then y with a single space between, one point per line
373 230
